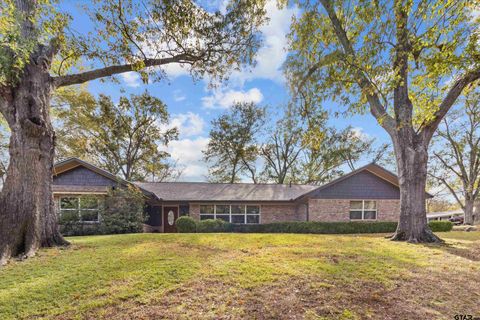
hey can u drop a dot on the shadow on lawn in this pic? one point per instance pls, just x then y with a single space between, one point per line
470 251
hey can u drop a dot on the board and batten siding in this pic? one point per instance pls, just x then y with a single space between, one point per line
363 185
81 176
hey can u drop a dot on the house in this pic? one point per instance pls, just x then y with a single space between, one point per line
444 215
370 193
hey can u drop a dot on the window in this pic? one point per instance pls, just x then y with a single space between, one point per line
235 213
82 208
363 210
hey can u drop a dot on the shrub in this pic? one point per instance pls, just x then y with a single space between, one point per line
121 212
318 227
440 226
186 224
211 225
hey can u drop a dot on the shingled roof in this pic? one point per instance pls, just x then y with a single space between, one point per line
203 191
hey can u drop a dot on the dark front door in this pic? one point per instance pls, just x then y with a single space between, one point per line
170 215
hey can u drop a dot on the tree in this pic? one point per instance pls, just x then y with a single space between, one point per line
123 138
456 149
40 52
233 146
407 61
281 152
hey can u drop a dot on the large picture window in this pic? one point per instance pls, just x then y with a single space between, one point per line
235 213
81 208
363 210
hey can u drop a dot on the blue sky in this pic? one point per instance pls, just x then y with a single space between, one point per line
192 105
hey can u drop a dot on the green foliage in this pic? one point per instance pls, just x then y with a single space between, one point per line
232 149
213 225
318 227
128 32
185 224
442 43
440 226
123 138
23 31
307 150
122 211
312 227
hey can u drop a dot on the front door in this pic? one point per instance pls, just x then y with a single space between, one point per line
170 215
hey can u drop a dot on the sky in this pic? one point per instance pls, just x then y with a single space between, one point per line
192 105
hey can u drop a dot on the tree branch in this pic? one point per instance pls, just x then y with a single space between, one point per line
78 78
376 107
452 95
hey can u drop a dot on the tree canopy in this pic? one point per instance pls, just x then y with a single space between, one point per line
125 138
233 147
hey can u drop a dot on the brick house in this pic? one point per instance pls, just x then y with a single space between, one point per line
370 193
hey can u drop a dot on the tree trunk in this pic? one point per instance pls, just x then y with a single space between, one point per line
412 159
27 217
468 210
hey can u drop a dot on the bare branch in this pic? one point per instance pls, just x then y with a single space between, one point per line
452 95
78 78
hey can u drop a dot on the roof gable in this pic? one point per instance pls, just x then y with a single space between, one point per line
76 172
82 176
363 184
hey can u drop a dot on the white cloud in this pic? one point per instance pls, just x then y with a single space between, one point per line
270 56
188 124
178 95
224 99
273 53
188 154
131 79
360 133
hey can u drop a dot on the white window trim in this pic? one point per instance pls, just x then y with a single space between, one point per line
363 211
79 209
230 214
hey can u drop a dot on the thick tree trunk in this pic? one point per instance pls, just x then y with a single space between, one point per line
412 159
468 210
27 217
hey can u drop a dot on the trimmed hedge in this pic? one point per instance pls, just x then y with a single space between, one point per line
440 226
212 225
312 227
319 227
186 224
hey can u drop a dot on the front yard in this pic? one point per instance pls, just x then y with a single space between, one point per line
232 276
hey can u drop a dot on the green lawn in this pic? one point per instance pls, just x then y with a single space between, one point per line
263 276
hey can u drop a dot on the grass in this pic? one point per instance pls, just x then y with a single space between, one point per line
211 276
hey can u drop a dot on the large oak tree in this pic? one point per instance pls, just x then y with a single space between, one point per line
40 51
404 61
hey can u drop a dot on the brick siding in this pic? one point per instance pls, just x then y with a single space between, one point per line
339 209
268 212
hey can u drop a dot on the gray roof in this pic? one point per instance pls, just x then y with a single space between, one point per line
203 191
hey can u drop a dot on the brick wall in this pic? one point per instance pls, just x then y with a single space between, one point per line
268 212
282 212
195 211
338 209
